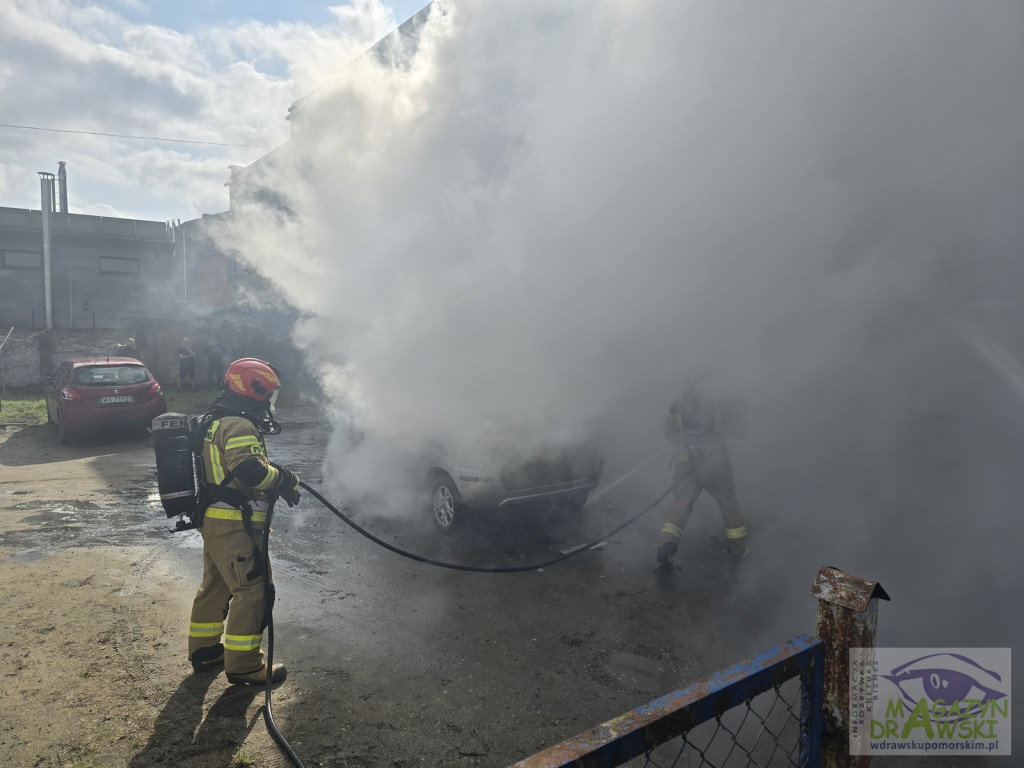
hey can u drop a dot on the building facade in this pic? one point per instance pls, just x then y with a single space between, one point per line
68 270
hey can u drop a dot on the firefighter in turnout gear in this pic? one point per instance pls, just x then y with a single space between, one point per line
699 427
241 486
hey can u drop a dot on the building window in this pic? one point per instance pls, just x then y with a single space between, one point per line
21 260
113 266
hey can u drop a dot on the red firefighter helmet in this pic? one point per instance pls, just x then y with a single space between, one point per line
252 378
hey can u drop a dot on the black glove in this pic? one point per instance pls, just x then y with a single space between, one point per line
287 486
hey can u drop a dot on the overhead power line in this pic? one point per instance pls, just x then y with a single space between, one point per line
125 136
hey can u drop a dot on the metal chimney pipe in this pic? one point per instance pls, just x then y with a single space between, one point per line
46 207
62 182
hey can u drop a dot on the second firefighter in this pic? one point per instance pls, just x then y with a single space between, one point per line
699 426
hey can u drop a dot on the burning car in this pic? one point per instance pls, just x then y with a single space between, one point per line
99 392
502 476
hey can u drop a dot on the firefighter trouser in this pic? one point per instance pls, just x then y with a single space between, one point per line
232 578
714 475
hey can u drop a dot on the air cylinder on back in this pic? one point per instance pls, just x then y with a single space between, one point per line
174 468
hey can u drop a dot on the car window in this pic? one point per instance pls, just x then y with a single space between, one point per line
109 375
61 374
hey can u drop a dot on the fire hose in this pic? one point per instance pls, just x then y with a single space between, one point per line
268 611
475 568
268 715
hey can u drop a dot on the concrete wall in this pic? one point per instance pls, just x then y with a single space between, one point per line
185 287
22 299
102 269
205 277
85 296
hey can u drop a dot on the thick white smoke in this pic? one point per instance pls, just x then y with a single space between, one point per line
553 211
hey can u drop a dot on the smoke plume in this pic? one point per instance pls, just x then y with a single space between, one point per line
546 214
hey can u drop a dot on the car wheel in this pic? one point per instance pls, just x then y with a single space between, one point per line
446 504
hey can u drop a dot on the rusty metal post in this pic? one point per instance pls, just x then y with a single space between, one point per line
847 618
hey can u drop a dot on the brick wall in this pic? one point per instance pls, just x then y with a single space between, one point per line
26 357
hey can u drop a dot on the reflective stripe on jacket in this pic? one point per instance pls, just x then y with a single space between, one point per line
229 442
220 513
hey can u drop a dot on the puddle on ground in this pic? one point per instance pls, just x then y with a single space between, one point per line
64 516
58 525
647 674
61 504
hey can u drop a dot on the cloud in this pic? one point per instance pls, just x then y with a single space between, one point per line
92 70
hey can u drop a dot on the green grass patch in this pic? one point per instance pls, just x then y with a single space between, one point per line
25 405
196 402
188 401
22 405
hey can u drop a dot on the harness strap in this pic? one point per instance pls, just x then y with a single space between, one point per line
236 498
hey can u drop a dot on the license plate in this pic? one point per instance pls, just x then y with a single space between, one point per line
116 399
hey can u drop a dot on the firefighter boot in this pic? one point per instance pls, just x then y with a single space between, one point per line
207 658
736 541
666 551
259 676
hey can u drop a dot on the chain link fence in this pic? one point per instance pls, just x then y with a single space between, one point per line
761 713
763 732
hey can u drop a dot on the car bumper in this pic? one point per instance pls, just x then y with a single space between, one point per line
84 417
490 493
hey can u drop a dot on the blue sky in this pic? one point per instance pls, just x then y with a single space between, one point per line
189 15
215 78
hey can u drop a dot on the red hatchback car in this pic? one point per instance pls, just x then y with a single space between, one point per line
90 393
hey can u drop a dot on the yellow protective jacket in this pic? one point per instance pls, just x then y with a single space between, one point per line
700 426
233 444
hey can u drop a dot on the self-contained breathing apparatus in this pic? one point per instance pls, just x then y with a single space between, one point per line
184 493
178 445
178 467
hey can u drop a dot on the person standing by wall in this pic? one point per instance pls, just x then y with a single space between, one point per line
186 364
128 349
214 364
